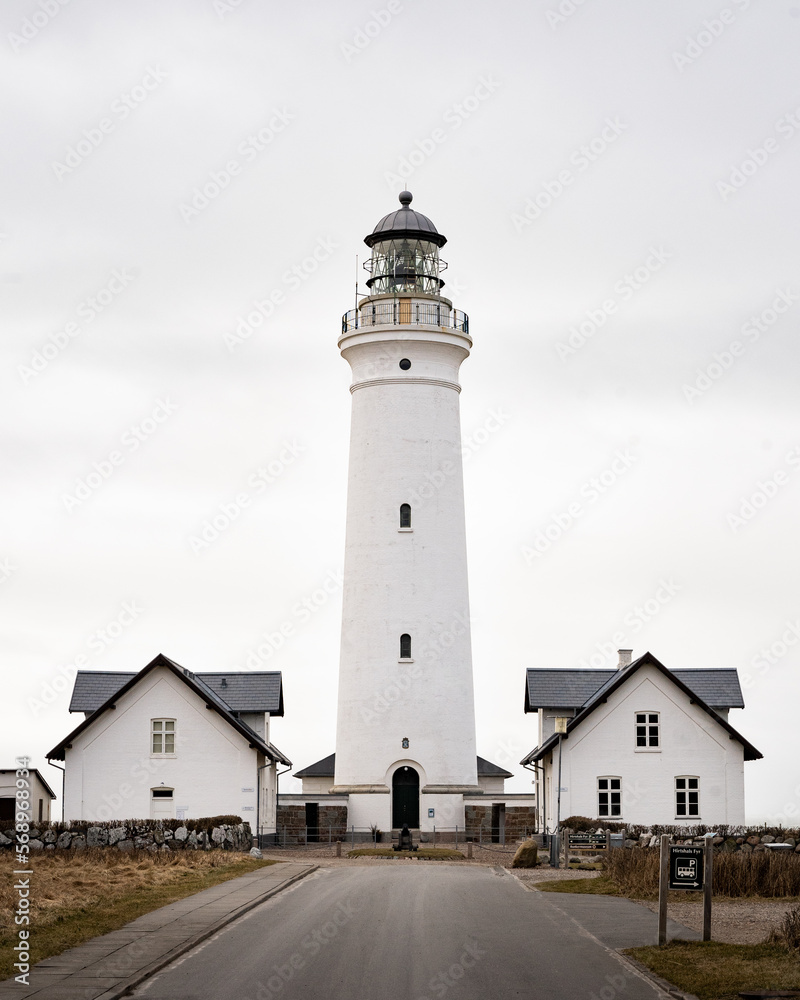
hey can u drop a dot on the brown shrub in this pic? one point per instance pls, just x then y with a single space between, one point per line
636 872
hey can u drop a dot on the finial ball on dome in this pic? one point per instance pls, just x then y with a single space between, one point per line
406 197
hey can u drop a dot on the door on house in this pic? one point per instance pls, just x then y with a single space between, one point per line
312 822
162 803
405 798
405 310
498 823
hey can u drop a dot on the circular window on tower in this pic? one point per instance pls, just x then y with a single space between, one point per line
405 364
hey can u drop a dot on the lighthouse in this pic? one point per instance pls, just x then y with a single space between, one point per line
405 736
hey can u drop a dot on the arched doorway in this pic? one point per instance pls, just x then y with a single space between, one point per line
405 797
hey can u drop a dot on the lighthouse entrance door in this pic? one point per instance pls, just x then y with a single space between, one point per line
405 798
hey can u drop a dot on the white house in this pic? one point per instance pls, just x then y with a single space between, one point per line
169 743
41 795
641 744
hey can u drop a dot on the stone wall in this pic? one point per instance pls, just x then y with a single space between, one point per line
129 835
520 822
292 824
745 842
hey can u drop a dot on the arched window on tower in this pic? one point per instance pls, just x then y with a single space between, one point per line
405 515
405 646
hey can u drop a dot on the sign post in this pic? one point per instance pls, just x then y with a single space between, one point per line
662 890
707 889
685 867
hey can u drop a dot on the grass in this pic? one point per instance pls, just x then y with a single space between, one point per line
715 971
601 886
442 853
78 896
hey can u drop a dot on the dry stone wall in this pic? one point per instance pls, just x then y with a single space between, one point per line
129 835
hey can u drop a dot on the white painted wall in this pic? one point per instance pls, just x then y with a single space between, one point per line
405 448
110 770
692 743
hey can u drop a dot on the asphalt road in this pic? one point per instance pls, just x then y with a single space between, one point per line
403 932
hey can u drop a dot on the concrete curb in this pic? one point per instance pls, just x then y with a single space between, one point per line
125 987
669 988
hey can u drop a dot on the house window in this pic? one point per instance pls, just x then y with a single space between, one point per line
647 730
405 646
687 796
163 736
405 515
609 796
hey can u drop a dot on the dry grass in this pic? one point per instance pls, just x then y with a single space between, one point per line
764 874
592 886
78 895
787 932
714 971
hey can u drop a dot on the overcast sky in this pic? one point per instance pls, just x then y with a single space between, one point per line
618 185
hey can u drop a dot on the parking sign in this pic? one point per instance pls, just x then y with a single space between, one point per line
686 868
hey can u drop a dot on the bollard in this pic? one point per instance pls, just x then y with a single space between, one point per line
469 850
338 848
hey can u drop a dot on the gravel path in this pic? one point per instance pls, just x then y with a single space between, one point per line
734 921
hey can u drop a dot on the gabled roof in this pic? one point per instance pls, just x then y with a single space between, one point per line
487 769
556 688
197 683
260 691
326 767
621 677
31 770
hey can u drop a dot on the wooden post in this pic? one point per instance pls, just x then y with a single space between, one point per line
338 848
469 850
707 889
608 841
663 883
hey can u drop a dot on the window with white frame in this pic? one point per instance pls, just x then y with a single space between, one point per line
163 736
687 796
609 796
647 730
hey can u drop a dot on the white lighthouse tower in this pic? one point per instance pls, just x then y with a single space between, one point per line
405 741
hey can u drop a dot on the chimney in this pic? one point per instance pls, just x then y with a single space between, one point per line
624 658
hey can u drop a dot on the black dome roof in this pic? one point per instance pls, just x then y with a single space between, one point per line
405 222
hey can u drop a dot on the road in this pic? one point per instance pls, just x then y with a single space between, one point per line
421 932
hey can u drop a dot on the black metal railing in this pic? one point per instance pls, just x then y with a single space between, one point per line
402 312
